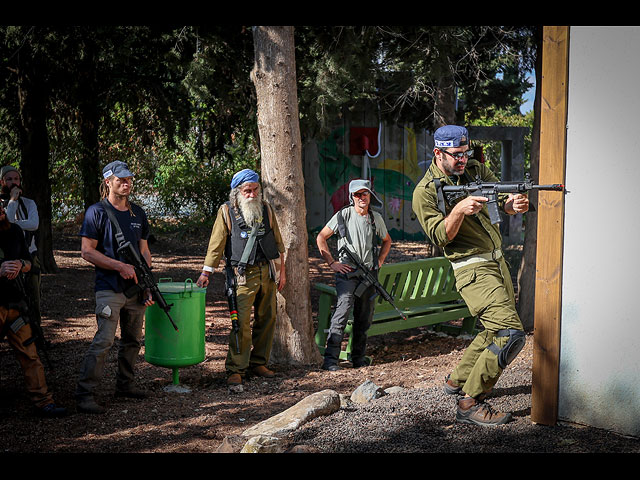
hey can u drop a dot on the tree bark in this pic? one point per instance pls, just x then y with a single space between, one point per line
88 120
274 77
34 145
527 271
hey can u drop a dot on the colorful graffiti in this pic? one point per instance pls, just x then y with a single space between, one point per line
393 179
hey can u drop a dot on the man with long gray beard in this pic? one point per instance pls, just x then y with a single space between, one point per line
246 233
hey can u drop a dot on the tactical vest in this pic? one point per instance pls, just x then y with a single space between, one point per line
265 247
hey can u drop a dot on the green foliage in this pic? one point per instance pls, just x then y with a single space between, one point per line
492 117
178 104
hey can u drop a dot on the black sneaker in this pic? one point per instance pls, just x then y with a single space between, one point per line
331 367
88 405
365 362
52 411
132 393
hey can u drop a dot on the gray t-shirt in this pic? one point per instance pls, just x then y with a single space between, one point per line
359 234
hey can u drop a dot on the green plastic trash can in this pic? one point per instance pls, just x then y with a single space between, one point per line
166 347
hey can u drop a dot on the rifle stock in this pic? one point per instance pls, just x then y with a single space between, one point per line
145 279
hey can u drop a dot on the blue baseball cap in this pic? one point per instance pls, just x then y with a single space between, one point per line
117 168
450 136
243 176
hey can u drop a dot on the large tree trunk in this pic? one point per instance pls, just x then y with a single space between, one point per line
88 121
34 145
274 77
527 271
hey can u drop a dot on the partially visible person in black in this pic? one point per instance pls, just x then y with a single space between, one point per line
23 212
15 261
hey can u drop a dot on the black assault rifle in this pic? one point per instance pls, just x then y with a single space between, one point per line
232 300
145 279
368 278
453 193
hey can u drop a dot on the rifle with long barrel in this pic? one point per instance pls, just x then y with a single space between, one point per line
232 300
453 193
145 279
368 278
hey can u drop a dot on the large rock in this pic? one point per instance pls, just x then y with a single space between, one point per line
366 392
263 444
325 402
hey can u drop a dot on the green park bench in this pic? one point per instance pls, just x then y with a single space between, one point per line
424 290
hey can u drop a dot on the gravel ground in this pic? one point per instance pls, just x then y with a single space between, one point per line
421 420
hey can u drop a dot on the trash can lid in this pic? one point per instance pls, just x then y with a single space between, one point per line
180 287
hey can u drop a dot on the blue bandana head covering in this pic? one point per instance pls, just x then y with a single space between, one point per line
450 136
243 176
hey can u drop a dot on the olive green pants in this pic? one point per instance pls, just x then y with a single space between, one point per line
255 338
488 292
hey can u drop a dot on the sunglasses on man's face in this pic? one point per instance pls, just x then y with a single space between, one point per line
361 194
460 155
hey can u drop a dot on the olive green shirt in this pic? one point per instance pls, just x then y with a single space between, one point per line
476 234
219 234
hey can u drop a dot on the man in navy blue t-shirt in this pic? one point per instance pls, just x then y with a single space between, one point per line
113 277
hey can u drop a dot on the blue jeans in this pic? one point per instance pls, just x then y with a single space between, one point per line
363 309
112 309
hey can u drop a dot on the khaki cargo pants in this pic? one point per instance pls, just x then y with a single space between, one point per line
488 292
255 338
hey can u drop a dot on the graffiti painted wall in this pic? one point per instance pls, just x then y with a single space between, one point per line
397 158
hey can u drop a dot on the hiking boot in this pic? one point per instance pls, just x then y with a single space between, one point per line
234 383
262 371
89 405
479 413
132 393
51 411
450 387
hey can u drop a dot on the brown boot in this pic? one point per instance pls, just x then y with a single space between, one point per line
477 412
262 371
234 379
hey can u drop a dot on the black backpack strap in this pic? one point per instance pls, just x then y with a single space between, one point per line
114 221
342 229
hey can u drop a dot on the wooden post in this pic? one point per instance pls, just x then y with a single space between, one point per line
548 289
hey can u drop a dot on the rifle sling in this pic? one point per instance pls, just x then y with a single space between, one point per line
246 253
114 221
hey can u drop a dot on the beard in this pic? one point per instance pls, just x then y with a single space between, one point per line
251 208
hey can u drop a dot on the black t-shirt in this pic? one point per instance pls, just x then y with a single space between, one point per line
97 226
12 247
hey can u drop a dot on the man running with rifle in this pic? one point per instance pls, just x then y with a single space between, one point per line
360 231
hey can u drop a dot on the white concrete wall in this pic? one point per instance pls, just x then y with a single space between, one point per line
600 335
